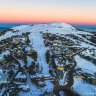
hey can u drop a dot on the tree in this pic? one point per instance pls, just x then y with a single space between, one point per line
48 56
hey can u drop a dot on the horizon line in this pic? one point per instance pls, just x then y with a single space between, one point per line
46 23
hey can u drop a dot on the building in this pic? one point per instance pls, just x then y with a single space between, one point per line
20 77
91 80
60 68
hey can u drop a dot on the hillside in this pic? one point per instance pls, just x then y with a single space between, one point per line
42 59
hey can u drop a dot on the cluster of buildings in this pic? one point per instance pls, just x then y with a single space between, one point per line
64 50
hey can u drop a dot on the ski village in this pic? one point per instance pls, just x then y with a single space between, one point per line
52 59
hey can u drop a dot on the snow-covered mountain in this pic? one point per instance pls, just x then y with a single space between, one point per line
41 59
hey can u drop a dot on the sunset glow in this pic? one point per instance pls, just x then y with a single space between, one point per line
42 11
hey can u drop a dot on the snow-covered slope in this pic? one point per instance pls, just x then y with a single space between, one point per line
62 25
29 44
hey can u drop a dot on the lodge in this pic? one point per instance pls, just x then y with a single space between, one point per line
20 78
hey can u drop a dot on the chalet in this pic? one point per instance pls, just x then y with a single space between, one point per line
45 35
49 35
91 80
16 40
57 42
40 83
61 60
15 31
79 76
20 77
62 35
30 52
40 77
55 36
60 68
24 87
25 35
57 48
47 42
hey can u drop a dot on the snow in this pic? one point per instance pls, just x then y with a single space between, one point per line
84 64
36 37
24 86
84 89
63 81
80 86
28 48
62 25
20 75
37 42
29 60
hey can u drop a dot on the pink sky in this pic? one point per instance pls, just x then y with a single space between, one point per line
42 11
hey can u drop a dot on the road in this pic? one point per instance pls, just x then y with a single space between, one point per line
66 88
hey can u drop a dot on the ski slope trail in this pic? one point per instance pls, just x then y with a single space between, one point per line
37 43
